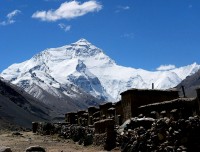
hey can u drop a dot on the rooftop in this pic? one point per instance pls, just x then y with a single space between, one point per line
149 90
180 100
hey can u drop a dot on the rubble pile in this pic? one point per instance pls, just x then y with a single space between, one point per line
136 134
80 134
164 135
44 128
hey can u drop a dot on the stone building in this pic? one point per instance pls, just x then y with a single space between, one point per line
111 113
96 116
105 134
104 113
139 102
176 109
198 97
91 111
134 98
82 117
71 118
118 113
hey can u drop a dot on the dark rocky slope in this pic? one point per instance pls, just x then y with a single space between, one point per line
18 108
190 84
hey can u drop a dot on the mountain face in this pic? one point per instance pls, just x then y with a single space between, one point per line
19 108
190 84
80 74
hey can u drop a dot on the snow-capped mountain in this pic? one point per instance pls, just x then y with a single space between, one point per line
82 72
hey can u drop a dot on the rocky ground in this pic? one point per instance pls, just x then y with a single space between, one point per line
164 135
19 142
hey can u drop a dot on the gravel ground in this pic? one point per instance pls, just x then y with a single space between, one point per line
18 143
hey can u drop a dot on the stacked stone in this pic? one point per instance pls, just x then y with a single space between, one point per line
65 131
44 128
164 135
80 134
105 134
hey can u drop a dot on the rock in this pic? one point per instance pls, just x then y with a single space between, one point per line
17 133
5 149
160 136
35 149
34 127
88 140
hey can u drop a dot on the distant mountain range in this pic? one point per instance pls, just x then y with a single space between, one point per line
79 75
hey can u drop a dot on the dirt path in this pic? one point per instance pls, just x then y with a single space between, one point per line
51 144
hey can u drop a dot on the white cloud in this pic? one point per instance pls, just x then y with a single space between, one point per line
122 8
125 7
166 67
128 35
50 0
65 27
68 10
9 18
13 13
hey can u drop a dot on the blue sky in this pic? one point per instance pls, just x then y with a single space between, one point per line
135 33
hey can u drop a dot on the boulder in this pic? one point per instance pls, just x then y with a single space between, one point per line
88 139
5 149
35 149
16 133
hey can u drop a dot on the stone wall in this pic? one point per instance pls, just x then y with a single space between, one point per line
164 135
104 110
177 108
105 134
118 113
91 111
132 99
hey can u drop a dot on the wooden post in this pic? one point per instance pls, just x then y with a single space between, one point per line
152 86
183 89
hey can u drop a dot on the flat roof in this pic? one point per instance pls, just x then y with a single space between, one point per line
150 90
93 107
170 101
105 104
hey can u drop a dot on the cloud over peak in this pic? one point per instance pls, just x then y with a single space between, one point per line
166 67
68 10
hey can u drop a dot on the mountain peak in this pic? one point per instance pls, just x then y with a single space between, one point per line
83 41
82 48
